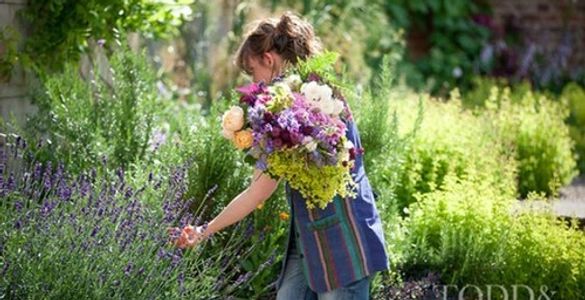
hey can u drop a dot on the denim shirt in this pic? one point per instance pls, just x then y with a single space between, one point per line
343 242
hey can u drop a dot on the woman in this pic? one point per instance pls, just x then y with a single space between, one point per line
332 253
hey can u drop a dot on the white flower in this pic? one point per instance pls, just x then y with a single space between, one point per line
457 72
328 107
281 85
318 95
348 144
312 145
233 119
337 107
293 81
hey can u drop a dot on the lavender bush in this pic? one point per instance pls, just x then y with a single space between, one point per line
94 235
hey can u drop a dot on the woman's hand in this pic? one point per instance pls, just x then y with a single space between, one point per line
189 236
193 236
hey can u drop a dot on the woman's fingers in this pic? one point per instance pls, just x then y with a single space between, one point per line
188 237
189 229
194 240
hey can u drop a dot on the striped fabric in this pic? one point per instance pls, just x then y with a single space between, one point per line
343 242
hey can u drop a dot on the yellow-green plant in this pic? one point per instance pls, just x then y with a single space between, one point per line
531 129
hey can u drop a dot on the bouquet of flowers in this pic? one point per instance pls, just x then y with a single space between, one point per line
294 127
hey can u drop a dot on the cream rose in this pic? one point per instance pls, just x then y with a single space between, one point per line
243 139
233 119
228 134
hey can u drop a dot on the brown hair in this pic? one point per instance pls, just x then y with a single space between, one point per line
290 36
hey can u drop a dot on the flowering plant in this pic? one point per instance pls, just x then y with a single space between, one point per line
294 127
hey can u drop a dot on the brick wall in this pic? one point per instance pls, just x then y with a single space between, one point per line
13 93
546 24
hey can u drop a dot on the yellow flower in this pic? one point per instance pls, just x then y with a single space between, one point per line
283 216
243 139
260 205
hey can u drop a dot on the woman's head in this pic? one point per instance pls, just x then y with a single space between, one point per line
274 42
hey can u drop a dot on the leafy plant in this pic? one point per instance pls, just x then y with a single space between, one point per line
60 30
8 52
575 97
532 129
451 40
470 234
111 114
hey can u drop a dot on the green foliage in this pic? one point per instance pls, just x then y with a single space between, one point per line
62 29
446 141
8 52
454 40
110 114
379 134
531 129
320 64
575 96
467 233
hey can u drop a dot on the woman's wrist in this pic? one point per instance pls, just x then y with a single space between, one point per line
205 230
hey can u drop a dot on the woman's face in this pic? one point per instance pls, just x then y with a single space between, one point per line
265 67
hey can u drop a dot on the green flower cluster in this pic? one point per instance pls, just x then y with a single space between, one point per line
291 165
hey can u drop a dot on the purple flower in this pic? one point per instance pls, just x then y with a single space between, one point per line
128 269
313 77
95 230
243 278
158 138
101 42
261 164
251 91
11 185
18 206
276 131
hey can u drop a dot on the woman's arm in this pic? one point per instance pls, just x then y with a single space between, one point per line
260 189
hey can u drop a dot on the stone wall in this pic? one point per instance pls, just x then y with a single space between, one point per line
13 92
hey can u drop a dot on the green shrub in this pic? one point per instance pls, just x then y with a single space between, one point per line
469 233
449 140
531 128
575 95
84 119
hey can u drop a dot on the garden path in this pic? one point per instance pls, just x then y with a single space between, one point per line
571 201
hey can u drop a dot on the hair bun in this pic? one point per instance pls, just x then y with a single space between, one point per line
283 30
285 23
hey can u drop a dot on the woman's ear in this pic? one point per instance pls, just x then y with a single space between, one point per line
268 59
